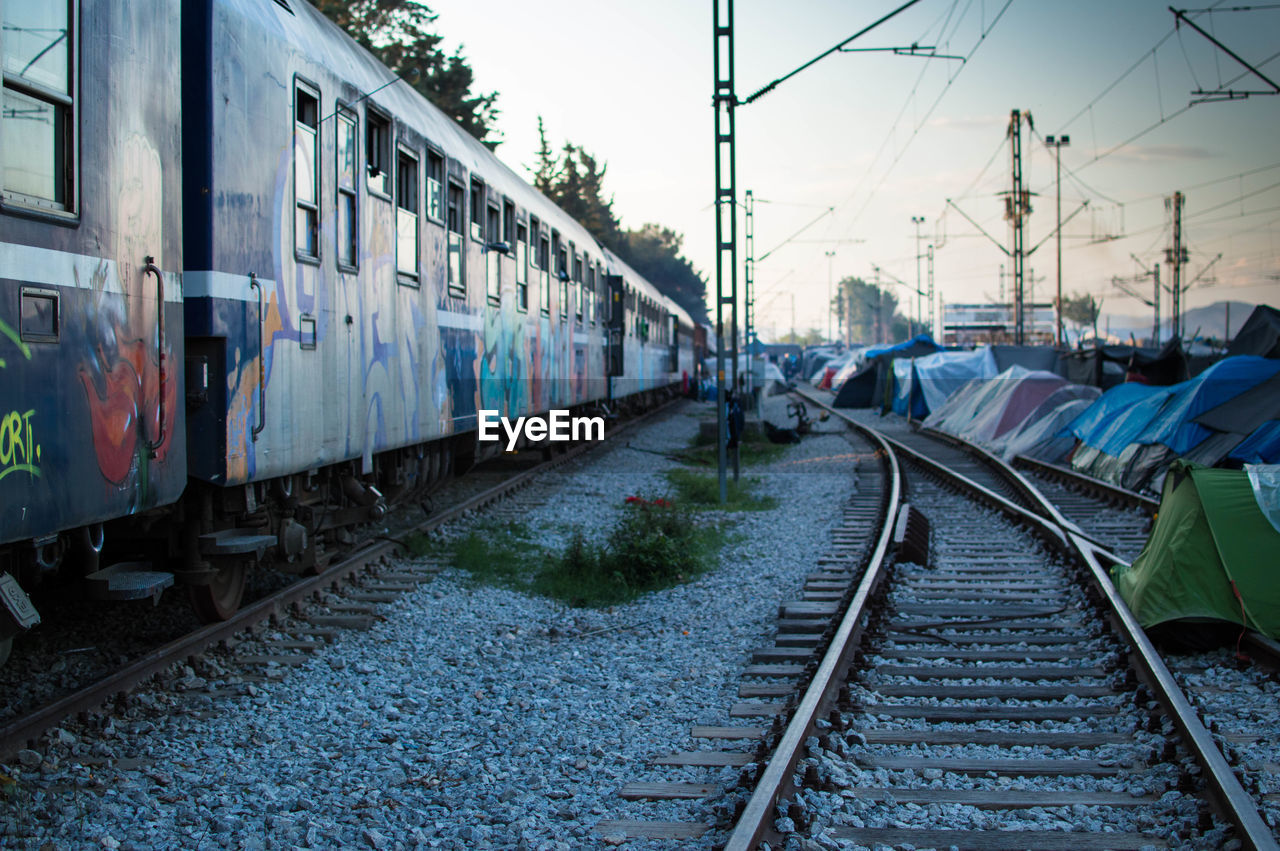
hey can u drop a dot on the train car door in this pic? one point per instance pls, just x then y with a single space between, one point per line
615 365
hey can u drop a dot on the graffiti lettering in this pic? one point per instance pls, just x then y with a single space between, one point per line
19 453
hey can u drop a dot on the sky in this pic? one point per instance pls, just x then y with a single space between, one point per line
842 156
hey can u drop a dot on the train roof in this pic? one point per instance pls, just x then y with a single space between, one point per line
325 44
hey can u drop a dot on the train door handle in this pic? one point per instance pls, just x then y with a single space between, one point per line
262 363
152 269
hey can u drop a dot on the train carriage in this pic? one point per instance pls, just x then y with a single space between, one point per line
347 279
92 425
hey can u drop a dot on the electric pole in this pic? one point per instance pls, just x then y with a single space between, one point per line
932 318
748 288
917 221
725 100
1017 208
831 298
1057 144
1176 257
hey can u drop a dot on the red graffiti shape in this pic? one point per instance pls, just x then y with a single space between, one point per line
115 417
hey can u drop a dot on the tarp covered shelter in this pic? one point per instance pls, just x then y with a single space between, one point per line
1260 334
878 373
939 375
985 409
1028 357
1106 366
1047 438
1135 430
1060 406
1261 447
1212 556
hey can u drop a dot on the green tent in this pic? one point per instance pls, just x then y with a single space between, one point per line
1212 556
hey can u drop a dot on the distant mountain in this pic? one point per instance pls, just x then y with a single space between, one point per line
1209 321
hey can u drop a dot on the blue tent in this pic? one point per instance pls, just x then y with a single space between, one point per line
1175 427
1261 447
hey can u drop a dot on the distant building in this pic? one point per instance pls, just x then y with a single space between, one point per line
993 323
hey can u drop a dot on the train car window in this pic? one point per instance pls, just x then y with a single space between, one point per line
562 273
407 216
37 105
544 267
477 209
306 178
38 315
577 287
492 269
377 152
455 212
590 292
435 185
348 222
508 222
523 260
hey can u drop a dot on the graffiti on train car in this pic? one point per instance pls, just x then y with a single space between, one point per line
120 373
19 453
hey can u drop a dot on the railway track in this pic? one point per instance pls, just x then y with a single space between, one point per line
358 569
1002 690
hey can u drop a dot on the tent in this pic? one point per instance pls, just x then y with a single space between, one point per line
985 409
873 384
1211 557
1174 431
1029 357
1106 366
940 375
1261 447
1047 438
1260 334
1053 406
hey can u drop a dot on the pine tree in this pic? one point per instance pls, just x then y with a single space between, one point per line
399 33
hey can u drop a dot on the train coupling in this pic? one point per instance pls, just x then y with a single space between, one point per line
17 613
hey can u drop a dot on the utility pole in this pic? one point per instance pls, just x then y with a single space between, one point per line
1176 257
1123 284
933 326
1155 302
831 297
1017 208
1057 144
749 289
724 100
917 221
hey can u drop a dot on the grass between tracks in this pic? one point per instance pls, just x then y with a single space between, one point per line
654 545
754 449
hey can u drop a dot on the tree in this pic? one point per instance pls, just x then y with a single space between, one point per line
868 314
1082 311
575 182
399 33
654 251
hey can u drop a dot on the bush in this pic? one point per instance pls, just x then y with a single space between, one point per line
654 545
703 490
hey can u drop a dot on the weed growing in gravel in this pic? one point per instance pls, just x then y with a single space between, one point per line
703 491
654 545
502 554
753 449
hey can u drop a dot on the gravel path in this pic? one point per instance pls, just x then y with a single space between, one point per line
469 717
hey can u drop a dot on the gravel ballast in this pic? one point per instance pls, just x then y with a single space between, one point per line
468 716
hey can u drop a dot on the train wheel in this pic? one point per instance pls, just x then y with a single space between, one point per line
220 599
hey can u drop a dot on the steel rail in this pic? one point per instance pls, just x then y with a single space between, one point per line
18 734
756 820
1131 498
1233 802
